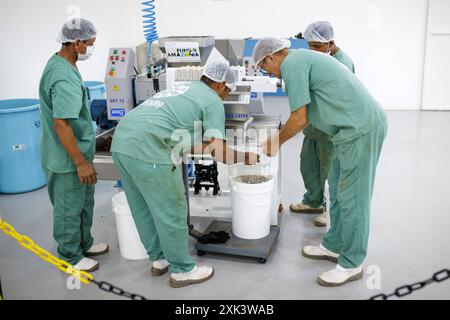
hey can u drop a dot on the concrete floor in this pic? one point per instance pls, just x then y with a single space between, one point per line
409 238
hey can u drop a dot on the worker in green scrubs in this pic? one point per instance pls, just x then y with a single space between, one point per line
325 94
320 37
317 149
68 146
147 150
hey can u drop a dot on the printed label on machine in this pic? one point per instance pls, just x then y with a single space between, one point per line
117 112
183 52
236 116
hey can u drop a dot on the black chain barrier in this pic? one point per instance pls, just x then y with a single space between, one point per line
108 287
1 292
402 291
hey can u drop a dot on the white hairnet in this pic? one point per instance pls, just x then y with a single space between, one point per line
218 72
77 29
320 31
267 46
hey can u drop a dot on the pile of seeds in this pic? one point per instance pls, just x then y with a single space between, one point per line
252 179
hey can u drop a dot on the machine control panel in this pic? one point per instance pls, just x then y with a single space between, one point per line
119 82
119 62
251 69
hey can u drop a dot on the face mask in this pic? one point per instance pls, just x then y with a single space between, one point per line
89 52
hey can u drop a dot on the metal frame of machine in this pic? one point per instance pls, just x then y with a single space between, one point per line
184 58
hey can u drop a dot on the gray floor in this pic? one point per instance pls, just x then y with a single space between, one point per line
409 238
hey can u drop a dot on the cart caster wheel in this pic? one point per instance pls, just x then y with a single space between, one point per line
261 260
200 253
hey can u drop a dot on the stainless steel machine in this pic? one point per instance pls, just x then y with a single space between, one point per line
182 60
240 135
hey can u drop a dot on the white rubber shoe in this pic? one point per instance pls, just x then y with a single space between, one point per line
160 267
303 208
321 220
319 253
86 264
97 250
339 276
197 275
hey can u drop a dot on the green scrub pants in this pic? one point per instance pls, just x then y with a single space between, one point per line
315 161
156 197
351 182
73 211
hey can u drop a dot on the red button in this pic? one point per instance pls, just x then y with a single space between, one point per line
124 52
111 58
117 58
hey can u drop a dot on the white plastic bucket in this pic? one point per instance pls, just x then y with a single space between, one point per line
251 205
272 168
267 166
130 244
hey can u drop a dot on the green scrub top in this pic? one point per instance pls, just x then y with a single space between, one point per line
172 119
343 58
338 103
62 95
310 131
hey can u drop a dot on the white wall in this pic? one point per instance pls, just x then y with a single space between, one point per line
436 94
385 38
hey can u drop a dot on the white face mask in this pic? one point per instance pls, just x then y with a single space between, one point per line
89 52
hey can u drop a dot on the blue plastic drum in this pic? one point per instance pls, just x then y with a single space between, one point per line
20 158
95 89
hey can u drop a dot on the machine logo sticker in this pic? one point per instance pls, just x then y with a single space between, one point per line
236 116
117 112
183 51
186 52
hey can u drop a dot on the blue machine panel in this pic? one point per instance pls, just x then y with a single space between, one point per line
295 44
